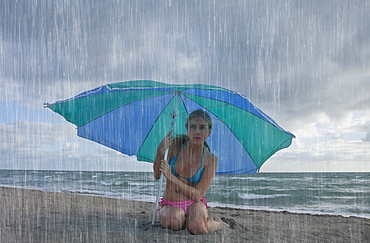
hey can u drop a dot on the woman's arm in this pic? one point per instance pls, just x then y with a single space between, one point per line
163 145
195 193
157 162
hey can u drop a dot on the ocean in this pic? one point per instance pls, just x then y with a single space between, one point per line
346 194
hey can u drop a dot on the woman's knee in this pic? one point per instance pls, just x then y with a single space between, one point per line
196 227
172 219
196 221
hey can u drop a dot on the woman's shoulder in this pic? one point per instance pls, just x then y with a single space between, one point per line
210 158
177 144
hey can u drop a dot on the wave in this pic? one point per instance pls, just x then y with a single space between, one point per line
84 192
259 197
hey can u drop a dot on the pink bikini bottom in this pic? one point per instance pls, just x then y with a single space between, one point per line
184 205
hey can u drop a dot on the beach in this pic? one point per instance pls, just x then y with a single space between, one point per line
40 216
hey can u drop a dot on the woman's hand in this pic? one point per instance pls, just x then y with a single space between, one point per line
162 147
165 169
166 141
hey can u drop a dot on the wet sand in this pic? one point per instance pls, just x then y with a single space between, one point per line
37 216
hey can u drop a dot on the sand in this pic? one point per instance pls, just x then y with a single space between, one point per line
38 216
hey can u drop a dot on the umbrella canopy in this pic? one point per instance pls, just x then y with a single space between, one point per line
132 117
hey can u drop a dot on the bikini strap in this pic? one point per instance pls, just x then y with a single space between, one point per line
173 160
182 146
201 159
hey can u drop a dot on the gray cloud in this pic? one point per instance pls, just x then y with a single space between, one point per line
270 52
367 129
367 138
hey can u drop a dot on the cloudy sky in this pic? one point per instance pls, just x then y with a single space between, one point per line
305 63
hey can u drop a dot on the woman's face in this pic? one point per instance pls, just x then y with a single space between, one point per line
198 130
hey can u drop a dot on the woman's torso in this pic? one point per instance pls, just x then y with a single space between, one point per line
186 166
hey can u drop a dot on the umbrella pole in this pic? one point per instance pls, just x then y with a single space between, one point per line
165 158
159 191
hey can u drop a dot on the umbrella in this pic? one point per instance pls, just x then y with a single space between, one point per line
132 117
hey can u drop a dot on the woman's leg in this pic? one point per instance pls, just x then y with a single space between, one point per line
197 221
172 217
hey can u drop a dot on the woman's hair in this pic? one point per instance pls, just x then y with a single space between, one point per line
202 114
195 114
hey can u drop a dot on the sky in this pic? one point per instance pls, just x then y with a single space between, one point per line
305 63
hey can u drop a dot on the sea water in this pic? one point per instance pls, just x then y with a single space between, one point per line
346 194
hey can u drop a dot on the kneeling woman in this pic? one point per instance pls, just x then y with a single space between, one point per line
189 172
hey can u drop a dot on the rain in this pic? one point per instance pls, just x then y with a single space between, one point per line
304 63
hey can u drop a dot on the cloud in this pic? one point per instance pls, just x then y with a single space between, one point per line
326 144
321 155
367 138
288 56
44 146
367 129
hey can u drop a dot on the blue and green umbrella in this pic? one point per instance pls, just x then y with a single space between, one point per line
132 117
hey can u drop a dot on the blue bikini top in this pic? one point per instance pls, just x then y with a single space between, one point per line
196 178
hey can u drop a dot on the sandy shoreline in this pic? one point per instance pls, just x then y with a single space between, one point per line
37 216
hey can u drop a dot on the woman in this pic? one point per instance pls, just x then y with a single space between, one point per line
189 172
